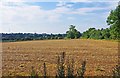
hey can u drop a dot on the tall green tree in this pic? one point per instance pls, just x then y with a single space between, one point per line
114 21
73 33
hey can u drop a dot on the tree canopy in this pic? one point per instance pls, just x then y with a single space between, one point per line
73 33
93 33
114 21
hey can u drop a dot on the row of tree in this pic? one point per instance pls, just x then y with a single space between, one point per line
10 37
93 33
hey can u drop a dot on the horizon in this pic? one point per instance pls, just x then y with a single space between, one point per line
37 32
56 17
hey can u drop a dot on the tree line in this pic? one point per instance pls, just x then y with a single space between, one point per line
10 37
93 33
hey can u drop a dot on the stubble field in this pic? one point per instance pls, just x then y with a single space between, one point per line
18 57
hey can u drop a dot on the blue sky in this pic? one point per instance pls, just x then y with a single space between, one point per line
54 16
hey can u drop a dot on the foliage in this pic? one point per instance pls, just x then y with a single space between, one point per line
70 68
114 21
60 65
116 72
82 70
33 73
73 33
93 33
12 37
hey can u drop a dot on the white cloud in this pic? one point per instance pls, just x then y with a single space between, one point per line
62 10
71 18
30 0
24 16
64 4
79 11
33 13
12 0
26 12
79 0
62 7
61 3
113 5
93 0
59 0
87 10
18 0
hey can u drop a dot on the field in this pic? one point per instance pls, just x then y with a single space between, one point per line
18 57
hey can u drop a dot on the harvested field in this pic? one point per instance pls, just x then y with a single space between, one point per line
18 57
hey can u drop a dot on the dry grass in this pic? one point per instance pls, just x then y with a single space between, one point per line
18 57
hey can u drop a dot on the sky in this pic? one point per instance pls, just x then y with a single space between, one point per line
53 16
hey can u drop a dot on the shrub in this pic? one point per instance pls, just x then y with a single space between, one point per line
81 71
116 72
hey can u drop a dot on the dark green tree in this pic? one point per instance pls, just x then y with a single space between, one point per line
114 21
73 33
98 34
90 33
105 33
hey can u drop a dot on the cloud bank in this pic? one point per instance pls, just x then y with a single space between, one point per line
18 16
